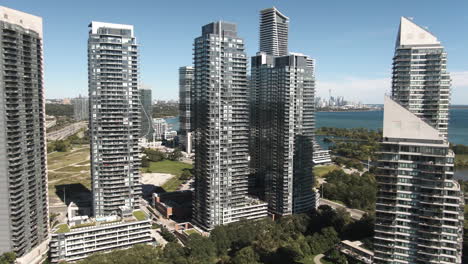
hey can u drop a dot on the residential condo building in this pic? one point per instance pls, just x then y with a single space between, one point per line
221 129
80 108
76 242
24 221
274 28
146 113
419 208
283 130
114 118
185 87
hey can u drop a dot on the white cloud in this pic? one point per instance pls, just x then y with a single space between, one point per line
373 90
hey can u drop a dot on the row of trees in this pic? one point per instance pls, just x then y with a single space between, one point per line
287 240
351 133
162 110
59 110
353 190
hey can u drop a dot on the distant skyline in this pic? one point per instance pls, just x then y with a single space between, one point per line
352 42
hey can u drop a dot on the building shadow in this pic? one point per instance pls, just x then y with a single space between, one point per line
76 193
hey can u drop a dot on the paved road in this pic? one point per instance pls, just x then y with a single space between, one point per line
318 258
66 131
355 213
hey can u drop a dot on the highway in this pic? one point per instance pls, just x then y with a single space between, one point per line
66 131
355 213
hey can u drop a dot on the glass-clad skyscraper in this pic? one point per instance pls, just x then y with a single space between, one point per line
419 208
274 27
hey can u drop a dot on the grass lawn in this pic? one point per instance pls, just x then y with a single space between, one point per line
191 231
461 157
58 160
63 228
61 173
139 215
73 169
320 171
308 260
172 167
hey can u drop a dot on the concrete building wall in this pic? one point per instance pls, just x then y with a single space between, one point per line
220 128
24 215
114 117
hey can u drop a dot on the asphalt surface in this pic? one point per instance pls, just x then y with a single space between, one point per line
355 213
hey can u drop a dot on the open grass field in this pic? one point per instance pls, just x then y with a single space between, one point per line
320 171
172 167
462 157
68 170
57 160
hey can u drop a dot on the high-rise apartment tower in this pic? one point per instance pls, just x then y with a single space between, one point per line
221 129
283 123
185 88
80 108
24 221
146 113
274 28
419 208
114 117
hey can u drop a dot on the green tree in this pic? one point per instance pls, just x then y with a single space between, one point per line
175 155
62 145
8 258
246 255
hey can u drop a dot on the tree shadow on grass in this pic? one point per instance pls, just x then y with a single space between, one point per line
76 193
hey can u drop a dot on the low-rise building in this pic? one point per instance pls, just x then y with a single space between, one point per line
72 243
355 250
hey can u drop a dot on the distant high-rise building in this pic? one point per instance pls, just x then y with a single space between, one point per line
185 87
114 117
221 129
283 124
146 113
80 108
160 127
419 208
274 28
24 221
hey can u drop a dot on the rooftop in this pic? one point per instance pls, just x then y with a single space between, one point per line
137 215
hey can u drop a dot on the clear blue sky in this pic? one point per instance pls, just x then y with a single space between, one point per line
352 41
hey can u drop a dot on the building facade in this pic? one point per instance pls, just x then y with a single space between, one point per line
114 117
185 87
419 208
283 124
80 108
160 128
221 129
78 242
274 28
24 221
146 113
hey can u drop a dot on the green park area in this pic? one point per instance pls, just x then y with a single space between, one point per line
175 168
320 171
69 168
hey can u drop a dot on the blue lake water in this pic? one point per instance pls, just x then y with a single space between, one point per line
458 126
